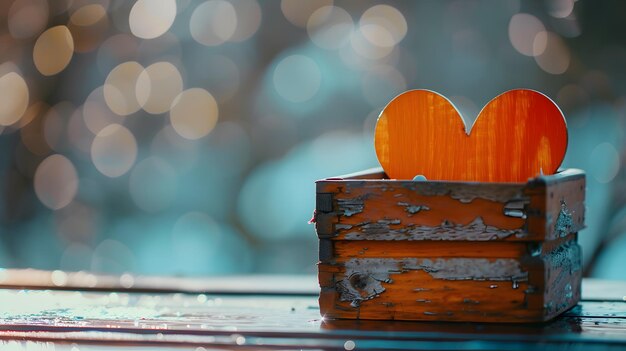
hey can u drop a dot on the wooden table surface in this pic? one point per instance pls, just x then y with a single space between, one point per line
60 311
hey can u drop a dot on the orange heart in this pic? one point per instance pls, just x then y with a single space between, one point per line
518 135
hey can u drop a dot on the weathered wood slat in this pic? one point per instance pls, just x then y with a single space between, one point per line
516 289
545 208
346 249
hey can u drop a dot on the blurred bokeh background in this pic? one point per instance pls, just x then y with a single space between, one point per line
183 137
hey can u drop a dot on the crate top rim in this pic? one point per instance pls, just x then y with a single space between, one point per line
377 174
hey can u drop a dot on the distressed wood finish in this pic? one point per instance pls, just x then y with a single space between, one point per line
518 135
449 251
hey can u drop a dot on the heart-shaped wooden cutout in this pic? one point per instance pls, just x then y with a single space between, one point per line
518 135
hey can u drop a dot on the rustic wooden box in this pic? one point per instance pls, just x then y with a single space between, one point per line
449 251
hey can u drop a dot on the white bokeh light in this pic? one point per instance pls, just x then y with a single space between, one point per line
248 19
114 150
157 86
555 58
329 27
213 22
56 182
120 86
194 113
151 19
606 154
13 99
383 25
523 29
560 8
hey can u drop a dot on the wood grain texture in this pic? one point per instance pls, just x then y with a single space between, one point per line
518 135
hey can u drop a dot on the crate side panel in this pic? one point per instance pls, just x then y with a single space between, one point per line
429 287
400 210
563 279
418 295
557 208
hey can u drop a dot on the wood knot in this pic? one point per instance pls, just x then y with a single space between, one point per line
358 281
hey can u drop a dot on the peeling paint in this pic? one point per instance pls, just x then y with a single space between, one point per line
477 230
413 209
516 208
350 207
565 262
564 222
365 277
361 286
566 257
389 221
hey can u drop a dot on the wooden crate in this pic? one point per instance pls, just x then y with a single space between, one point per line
449 251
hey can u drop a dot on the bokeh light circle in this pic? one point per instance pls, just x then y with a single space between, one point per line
607 155
560 8
88 25
297 78
13 99
150 19
157 86
555 58
329 27
248 19
56 182
366 49
114 150
298 12
194 113
120 86
523 28
27 18
88 15
383 25
213 22
53 50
